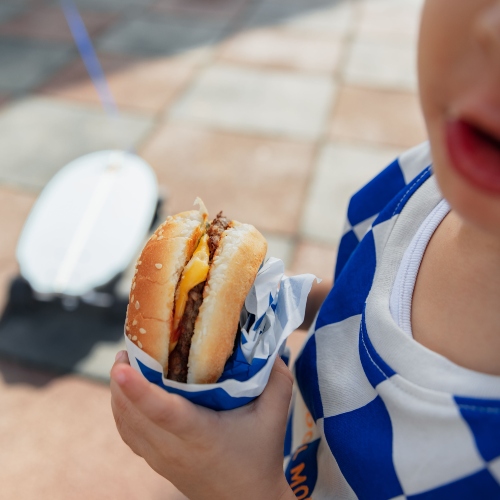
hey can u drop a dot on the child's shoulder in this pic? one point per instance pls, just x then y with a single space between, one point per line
374 199
362 380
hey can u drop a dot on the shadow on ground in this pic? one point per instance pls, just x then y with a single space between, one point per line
47 335
35 41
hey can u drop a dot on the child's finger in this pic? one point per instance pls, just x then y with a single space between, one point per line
169 411
121 357
127 432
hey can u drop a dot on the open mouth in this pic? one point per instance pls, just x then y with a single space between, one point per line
475 154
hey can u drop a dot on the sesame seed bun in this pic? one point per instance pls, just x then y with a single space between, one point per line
151 301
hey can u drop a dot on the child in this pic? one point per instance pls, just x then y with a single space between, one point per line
398 384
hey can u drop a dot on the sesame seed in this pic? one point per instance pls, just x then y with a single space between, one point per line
139 344
134 337
137 305
160 237
141 330
129 336
133 285
136 270
127 328
154 237
132 298
158 266
139 263
134 322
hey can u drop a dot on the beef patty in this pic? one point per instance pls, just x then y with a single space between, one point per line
178 360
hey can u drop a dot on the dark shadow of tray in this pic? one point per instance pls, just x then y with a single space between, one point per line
46 335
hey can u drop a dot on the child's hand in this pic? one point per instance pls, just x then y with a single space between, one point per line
206 454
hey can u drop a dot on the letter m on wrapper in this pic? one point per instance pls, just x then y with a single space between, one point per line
302 470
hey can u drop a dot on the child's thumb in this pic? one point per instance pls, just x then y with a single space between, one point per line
278 391
132 393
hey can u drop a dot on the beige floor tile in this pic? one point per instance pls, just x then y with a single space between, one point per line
58 440
49 23
305 16
130 81
281 247
342 169
390 19
280 49
378 116
315 258
251 100
380 63
335 18
318 259
255 180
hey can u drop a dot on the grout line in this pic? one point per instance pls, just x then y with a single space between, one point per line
252 66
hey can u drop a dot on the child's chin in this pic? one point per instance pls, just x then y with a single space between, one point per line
476 207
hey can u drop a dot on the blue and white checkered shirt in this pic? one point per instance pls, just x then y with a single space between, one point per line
375 414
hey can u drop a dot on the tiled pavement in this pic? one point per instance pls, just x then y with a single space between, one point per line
273 110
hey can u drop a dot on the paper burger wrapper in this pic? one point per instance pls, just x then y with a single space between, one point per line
274 308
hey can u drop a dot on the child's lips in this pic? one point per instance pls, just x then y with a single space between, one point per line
475 154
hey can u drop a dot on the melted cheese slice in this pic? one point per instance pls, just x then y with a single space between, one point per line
195 272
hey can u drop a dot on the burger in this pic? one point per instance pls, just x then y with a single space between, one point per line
189 287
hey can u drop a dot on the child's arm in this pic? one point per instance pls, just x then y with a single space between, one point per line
206 454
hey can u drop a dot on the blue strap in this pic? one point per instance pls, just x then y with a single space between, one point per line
89 57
